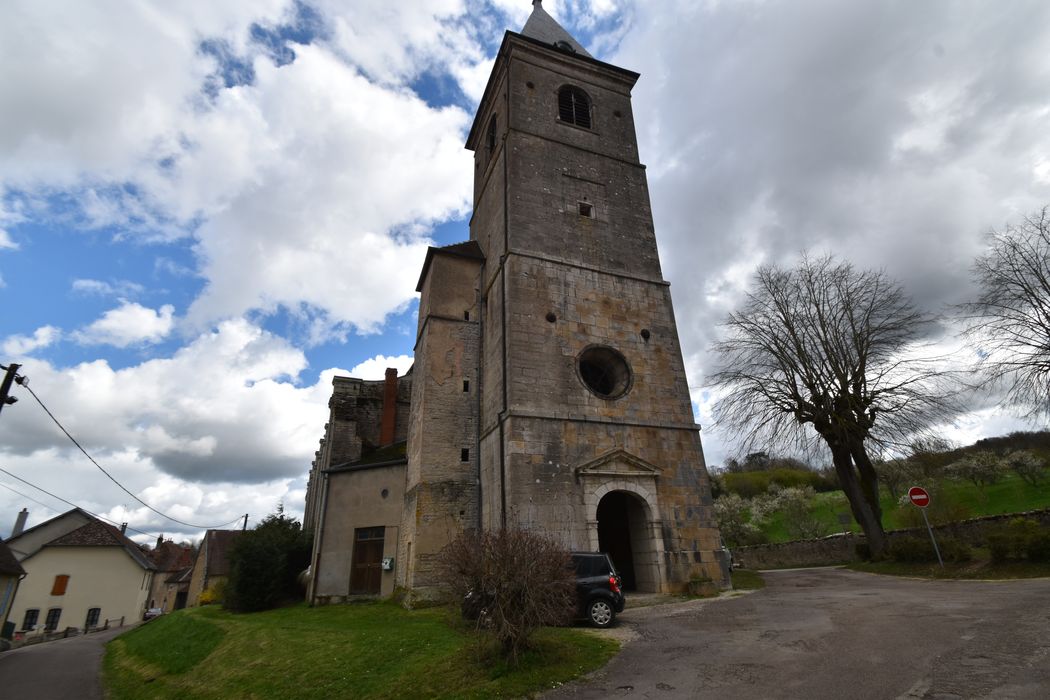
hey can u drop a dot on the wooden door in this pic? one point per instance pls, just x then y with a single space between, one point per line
366 565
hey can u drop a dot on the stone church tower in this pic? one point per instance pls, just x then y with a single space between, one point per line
548 390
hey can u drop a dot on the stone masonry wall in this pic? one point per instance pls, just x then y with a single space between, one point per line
441 478
569 282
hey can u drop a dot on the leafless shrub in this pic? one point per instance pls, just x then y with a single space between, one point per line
896 474
517 581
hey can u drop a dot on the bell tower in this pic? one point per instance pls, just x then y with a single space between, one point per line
585 424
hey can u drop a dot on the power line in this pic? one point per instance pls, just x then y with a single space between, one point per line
68 503
26 496
25 385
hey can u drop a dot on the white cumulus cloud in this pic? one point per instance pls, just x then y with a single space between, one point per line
19 345
375 368
128 324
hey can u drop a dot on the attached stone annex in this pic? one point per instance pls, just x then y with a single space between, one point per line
548 390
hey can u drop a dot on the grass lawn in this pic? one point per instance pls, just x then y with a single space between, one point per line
370 650
959 500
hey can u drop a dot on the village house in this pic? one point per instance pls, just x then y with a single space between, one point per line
548 389
211 567
173 564
80 572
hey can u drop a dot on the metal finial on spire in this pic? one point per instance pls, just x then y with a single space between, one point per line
546 29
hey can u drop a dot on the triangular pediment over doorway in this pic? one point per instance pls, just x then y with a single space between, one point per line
618 462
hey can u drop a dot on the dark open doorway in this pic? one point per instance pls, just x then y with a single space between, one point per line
620 520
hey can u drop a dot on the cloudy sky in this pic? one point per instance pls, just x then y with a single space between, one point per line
209 209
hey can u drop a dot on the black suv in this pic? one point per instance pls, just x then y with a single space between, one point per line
599 591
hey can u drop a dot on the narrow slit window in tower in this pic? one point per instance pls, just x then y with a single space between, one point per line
490 138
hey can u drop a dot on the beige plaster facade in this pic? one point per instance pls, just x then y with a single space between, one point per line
106 578
368 497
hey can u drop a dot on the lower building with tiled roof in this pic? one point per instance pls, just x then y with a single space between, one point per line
79 572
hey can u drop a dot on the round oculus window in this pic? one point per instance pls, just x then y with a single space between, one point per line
604 371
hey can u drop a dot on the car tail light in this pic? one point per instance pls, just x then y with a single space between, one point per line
614 585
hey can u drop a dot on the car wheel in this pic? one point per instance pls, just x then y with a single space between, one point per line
600 613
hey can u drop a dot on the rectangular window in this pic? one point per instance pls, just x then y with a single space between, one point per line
92 618
31 618
466 315
586 210
59 586
466 386
51 623
464 455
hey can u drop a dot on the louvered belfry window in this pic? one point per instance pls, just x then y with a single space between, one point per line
574 106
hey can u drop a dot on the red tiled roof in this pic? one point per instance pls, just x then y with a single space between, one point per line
171 557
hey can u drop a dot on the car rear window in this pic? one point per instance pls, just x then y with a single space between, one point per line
591 565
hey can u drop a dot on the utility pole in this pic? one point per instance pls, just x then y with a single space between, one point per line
5 387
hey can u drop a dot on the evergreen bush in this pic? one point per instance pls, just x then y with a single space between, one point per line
265 563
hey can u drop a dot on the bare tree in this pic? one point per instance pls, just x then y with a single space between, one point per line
1009 323
896 474
828 354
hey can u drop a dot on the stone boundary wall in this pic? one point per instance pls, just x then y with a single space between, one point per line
841 548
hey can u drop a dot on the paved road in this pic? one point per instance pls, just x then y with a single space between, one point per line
833 633
58 670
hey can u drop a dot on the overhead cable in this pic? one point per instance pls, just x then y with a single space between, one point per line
68 503
111 477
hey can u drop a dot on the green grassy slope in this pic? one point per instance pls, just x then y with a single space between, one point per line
951 500
374 650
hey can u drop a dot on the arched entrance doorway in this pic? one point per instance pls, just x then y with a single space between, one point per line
623 534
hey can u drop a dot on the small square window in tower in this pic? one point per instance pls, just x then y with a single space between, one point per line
574 107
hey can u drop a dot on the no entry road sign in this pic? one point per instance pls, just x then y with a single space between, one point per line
919 496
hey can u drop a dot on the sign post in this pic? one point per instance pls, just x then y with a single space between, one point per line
920 498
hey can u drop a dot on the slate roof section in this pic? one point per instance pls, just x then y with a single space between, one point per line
217 544
9 566
466 249
542 27
98 534
182 576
